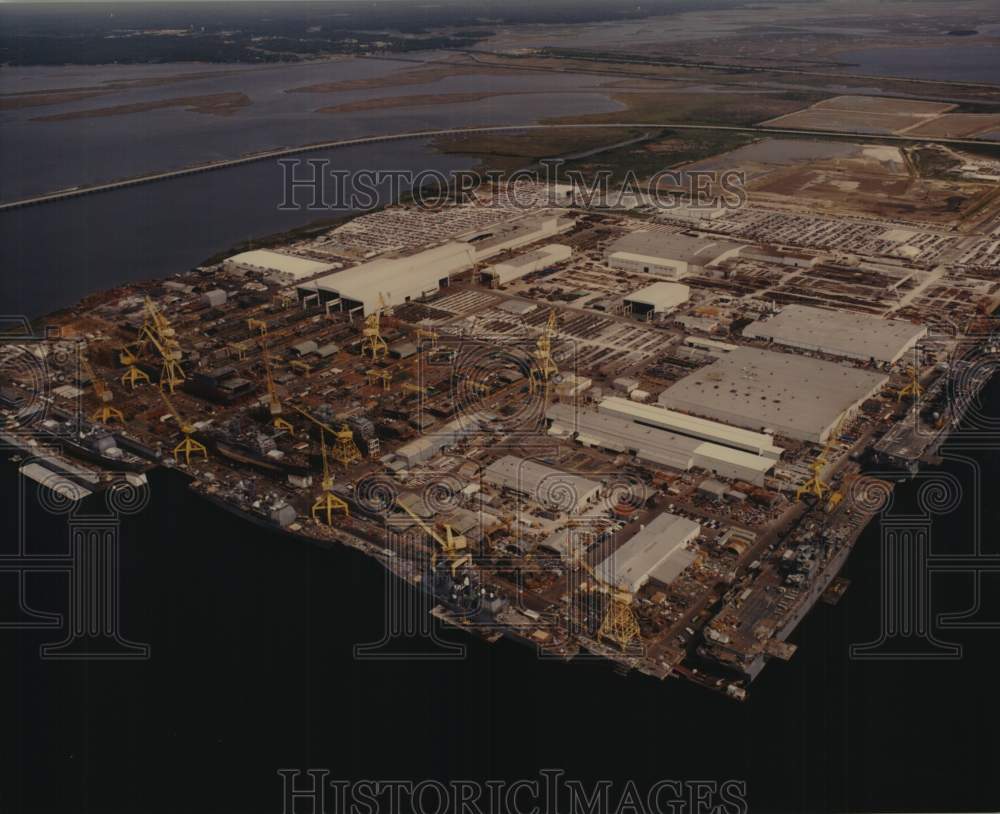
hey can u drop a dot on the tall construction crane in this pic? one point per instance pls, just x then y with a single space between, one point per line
106 412
453 546
913 388
345 451
619 624
815 485
328 502
157 331
544 367
274 403
189 445
133 375
372 341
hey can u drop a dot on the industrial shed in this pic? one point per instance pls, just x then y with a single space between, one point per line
656 552
396 279
562 491
667 254
269 262
656 445
792 395
839 333
657 298
757 443
523 264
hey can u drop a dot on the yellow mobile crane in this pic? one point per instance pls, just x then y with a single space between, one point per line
190 444
427 333
545 367
372 333
106 412
452 545
345 451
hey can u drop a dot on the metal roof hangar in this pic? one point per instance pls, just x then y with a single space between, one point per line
839 333
396 279
656 552
795 396
657 298
562 491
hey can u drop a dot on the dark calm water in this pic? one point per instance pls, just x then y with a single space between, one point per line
957 61
252 671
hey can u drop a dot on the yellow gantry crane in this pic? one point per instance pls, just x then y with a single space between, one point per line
545 367
189 445
372 332
157 331
619 624
427 333
134 375
375 374
106 412
345 451
452 545
274 403
328 502
815 485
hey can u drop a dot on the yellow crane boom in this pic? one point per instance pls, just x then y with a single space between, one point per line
106 412
190 445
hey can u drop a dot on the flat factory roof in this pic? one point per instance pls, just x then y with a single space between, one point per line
661 296
661 244
794 395
840 333
267 260
397 279
542 484
632 564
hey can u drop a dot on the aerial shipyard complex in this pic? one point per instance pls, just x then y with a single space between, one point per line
629 431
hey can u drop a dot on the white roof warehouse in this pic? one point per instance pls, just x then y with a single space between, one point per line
839 333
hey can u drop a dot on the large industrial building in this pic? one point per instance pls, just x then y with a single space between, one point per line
756 443
667 254
658 298
513 234
839 333
396 279
656 552
271 262
656 445
527 263
562 491
795 396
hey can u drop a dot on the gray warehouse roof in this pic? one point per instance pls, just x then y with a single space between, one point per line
542 484
794 395
699 251
634 563
840 333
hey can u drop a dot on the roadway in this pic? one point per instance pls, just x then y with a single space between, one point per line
283 152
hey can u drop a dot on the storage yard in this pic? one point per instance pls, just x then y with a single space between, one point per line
522 412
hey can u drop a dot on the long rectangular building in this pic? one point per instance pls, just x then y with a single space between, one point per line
656 445
757 443
794 396
396 279
838 333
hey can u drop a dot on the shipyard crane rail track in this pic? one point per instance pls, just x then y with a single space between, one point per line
281 152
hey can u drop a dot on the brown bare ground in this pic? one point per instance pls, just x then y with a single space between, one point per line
218 104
